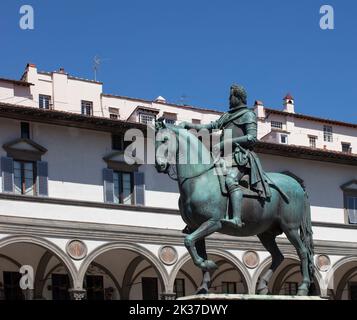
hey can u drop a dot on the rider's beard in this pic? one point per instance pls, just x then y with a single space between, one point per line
235 102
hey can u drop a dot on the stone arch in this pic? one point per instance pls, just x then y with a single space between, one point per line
222 254
148 255
337 265
13 261
46 244
267 262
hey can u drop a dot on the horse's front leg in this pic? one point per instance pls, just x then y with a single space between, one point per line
204 230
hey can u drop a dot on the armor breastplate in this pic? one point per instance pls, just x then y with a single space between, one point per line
236 130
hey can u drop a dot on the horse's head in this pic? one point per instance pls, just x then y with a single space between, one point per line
165 143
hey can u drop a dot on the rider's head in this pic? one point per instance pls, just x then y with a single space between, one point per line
237 97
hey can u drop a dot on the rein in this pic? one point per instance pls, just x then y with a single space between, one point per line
171 176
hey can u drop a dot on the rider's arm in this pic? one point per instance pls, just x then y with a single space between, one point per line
211 126
245 141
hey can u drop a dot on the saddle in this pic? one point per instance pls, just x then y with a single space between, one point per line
244 183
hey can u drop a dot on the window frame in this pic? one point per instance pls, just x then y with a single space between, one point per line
286 139
120 196
228 284
291 290
25 130
146 114
344 144
347 194
183 287
273 125
84 105
312 138
42 99
23 180
328 134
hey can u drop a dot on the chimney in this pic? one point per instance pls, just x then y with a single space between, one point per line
160 99
61 70
30 74
259 109
289 103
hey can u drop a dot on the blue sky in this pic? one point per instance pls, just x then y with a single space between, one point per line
195 48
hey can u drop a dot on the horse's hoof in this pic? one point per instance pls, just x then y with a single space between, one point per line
202 290
263 291
303 290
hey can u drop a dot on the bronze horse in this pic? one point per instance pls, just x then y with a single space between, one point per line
203 206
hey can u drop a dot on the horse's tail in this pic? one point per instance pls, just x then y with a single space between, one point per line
306 237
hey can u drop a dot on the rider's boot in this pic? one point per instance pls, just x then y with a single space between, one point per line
235 197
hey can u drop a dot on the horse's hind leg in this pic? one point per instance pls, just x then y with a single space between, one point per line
269 243
206 275
294 237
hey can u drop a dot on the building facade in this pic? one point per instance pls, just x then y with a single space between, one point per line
90 226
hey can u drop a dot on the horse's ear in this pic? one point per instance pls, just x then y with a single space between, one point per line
160 123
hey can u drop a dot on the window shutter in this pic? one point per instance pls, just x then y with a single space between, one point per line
7 172
42 178
108 185
139 183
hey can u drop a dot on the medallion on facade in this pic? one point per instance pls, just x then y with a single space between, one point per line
76 249
168 255
323 262
250 259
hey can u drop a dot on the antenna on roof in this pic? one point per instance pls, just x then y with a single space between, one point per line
96 64
183 99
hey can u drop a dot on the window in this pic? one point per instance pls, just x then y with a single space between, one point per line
179 287
12 290
229 287
328 134
284 139
24 177
312 141
117 142
123 187
87 108
346 147
146 118
170 121
44 102
351 207
94 287
25 130
353 290
113 113
149 288
60 286
196 121
276 125
289 289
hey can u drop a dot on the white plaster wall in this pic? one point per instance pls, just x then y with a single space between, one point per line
322 181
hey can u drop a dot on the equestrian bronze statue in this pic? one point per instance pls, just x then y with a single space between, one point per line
231 194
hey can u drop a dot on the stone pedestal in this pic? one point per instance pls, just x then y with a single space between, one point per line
77 294
168 296
215 296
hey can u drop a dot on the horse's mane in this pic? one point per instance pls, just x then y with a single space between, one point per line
193 140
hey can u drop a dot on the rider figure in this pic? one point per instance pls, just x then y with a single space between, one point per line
241 122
